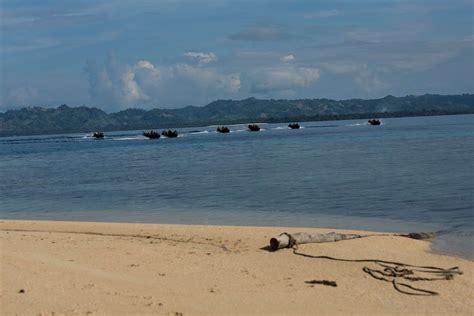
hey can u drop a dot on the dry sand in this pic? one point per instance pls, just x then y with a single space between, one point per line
102 268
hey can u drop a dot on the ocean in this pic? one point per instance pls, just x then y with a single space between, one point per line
408 174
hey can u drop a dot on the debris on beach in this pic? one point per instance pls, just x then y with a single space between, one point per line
323 282
419 236
286 240
388 271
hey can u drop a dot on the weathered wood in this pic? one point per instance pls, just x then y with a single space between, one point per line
284 240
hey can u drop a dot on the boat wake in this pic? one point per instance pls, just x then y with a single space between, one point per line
198 132
131 138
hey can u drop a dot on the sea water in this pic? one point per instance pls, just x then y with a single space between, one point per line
408 174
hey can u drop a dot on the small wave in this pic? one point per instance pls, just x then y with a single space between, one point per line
364 124
179 136
131 138
125 134
459 229
91 136
285 127
199 132
321 126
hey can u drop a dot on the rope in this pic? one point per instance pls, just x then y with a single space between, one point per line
394 272
291 240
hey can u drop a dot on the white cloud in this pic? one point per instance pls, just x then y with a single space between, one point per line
283 79
130 91
145 64
287 58
205 78
202 58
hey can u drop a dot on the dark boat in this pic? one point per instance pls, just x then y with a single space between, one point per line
294 125
151 135
374 122
223 129
253 127
169 133
98 135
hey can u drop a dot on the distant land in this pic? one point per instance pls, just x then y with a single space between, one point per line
65 119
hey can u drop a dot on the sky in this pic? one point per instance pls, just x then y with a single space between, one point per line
173 53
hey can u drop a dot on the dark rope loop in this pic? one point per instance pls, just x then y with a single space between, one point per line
394 271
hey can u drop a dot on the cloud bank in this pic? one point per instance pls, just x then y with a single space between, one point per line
145 84
284 79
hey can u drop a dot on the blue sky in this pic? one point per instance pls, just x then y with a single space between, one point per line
168 54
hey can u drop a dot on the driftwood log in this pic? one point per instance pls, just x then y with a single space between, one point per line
286 240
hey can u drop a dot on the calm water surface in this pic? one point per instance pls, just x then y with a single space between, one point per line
409 174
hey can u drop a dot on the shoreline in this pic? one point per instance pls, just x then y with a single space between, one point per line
432 248
122 268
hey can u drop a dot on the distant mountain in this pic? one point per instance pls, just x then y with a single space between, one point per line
65 119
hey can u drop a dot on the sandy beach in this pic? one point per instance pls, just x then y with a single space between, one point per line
77 268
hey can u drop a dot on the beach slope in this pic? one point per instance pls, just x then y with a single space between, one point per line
77 268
